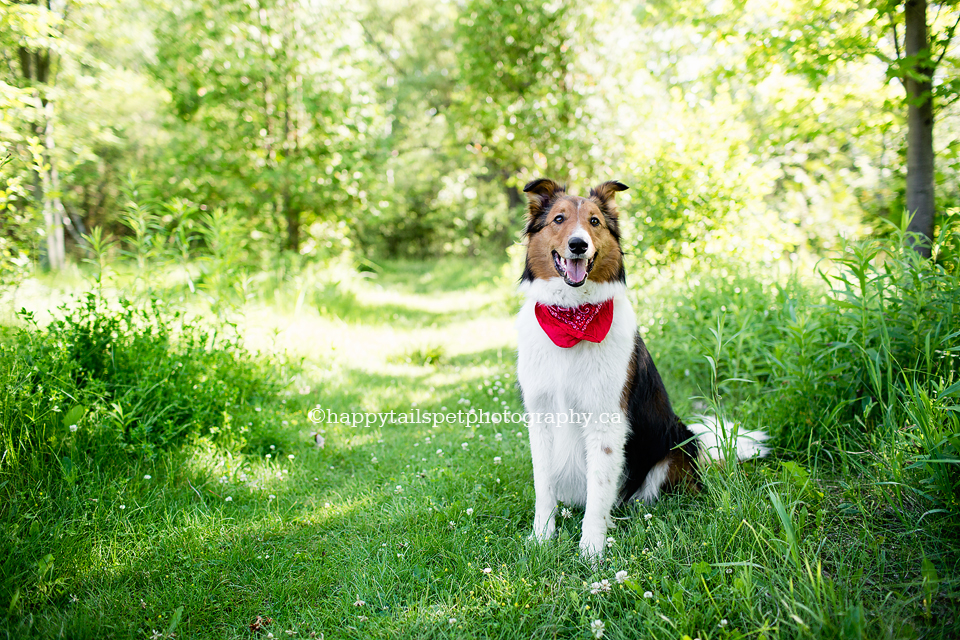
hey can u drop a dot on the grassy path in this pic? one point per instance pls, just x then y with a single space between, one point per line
419 530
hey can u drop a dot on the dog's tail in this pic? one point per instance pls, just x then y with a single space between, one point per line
718 439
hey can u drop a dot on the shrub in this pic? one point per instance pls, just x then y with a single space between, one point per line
141 378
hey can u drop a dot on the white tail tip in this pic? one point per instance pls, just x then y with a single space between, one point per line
715 439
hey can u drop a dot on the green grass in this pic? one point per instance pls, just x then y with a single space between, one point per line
379 534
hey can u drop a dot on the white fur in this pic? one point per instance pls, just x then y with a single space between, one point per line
716 439
650 489
571 460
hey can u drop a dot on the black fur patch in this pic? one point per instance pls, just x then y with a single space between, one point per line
655 430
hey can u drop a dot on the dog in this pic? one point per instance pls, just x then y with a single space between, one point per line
602 430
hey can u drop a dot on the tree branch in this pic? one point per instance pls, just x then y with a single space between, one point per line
946 43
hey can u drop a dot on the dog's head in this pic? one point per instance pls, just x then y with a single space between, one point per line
572 237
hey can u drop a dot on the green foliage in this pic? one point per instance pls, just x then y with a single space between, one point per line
138 378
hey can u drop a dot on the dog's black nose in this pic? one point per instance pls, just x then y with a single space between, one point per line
578 246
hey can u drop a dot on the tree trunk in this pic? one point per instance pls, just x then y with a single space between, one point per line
919 86
53 211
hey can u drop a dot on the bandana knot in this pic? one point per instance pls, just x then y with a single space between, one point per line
567 326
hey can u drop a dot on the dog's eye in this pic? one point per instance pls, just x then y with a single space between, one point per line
558 219
595 221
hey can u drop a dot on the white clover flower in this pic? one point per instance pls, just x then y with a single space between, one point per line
470 511
566 514
399 489
229 498
596 628
610 543
291 457
373 459
498 437
122 507
73 428
723 623
647 516
272 497
439 452
148 477
648 594
273 447
359 603
488 570
452 525
621 577
464 446
497 460
452 621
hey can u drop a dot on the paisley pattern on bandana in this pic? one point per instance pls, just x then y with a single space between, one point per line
567 326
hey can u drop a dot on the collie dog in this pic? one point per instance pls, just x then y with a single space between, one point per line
602 431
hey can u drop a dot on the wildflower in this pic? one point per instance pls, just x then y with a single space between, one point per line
497 460
147 477
600 587
648 594
723 623
464 446
123 506
647 516
399 489
566 514
373 459
362 618
519 434
488 571
73 428
610 543
498 437
439 452
622 576
453 525
228 499
272 497
359 603
273 447
596 628
74 598
156 635
470 511
269 456
290 457
452 621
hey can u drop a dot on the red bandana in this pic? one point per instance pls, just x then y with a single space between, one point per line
567 326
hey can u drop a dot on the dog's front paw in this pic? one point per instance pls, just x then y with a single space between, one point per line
543 531
592 546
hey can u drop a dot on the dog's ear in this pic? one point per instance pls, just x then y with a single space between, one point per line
607 192
540 194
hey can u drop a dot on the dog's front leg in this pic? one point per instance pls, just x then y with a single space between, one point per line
604 449
541 450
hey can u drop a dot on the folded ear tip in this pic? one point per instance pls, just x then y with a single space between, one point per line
538 182
619 186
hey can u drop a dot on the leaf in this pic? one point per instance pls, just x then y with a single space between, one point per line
174 621
74 415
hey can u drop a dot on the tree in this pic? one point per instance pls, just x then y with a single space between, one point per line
38 30
815 38
271 114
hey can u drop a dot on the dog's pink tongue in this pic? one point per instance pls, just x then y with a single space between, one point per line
576 269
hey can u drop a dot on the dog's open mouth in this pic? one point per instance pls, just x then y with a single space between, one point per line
574 271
